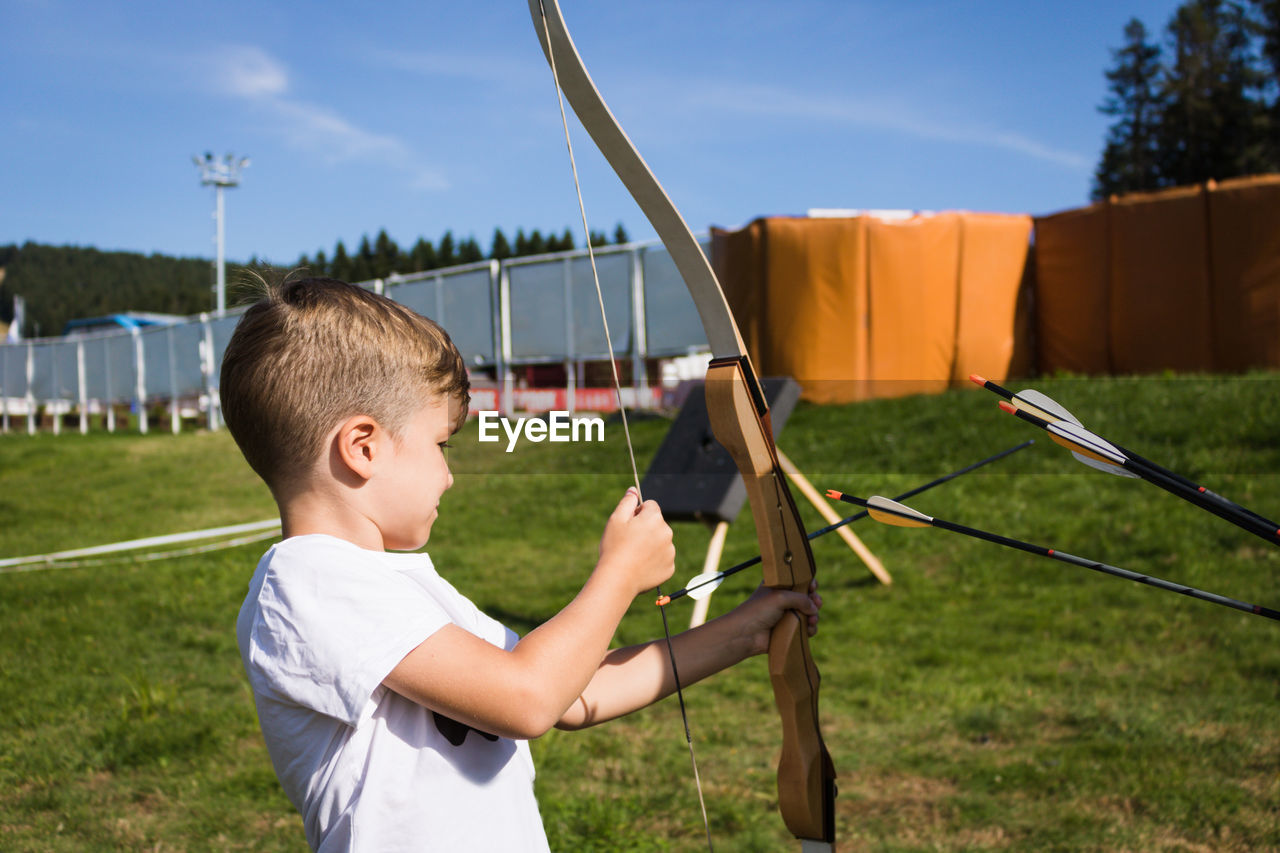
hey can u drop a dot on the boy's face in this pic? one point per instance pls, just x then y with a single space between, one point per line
414 477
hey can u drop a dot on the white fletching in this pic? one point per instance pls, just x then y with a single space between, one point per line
1049 409
1043 406
700 586
901 512
1084 438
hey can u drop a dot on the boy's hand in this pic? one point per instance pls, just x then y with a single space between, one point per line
764 609
638 543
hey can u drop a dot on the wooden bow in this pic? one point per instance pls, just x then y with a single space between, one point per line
740 419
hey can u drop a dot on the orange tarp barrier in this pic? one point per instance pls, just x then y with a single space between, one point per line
914 270
1244 232
992 327
1160 282
860 307
1183 279
1072 313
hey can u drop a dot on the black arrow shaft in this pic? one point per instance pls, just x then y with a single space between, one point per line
1083 562
1182 488
856 516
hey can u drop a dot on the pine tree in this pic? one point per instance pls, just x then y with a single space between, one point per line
423 256
362 261
341 266
620 235
1268 27
386 256
445 252
499 249
1130 157
469 251
1212 121
537 243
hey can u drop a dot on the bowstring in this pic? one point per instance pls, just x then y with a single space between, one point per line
622 411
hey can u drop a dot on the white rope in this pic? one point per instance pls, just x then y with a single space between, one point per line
68 559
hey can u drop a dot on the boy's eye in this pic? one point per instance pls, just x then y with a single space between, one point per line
444 445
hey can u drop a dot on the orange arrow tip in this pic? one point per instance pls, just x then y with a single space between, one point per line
976 379
834 495
1008 407
663 601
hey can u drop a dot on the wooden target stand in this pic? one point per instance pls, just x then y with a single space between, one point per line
693 478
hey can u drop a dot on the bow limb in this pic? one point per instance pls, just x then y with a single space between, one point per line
740 419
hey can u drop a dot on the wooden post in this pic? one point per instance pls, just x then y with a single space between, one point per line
806 488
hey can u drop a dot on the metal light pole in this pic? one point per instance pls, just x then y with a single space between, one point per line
220 174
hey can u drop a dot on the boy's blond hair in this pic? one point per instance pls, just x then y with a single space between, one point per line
313 352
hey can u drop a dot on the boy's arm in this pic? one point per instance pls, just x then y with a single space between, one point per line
523 692
636 676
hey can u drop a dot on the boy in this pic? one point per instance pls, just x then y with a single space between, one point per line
396 713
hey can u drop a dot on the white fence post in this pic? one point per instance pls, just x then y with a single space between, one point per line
140 377
502 344
570 340
110 396
4 389
82 388
639 333
209 368
175 416
31 394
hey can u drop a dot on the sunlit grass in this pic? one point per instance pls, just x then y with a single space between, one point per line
986 700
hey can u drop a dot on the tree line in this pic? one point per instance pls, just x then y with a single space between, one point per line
63 283
381 257
1203 105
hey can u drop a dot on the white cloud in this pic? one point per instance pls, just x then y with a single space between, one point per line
335 140
885 115
249 73
246 71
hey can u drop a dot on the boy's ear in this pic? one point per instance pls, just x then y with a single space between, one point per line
358 443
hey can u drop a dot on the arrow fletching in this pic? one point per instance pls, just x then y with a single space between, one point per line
1043 406
888 511
700 586
1049 409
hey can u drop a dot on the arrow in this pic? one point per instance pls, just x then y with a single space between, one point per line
889 511
702 585
1065 429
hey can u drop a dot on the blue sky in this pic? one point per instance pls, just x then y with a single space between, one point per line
420 116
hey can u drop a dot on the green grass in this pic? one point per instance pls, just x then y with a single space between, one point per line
987 700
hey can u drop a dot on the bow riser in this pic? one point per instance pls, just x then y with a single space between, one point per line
806 775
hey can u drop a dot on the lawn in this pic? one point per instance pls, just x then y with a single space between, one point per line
987 700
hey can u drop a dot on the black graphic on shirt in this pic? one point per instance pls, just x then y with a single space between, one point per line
456 732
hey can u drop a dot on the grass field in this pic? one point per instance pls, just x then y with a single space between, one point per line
987 700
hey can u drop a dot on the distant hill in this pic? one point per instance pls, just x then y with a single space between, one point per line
61 283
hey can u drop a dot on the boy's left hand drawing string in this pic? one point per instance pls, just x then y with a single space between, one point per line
740 420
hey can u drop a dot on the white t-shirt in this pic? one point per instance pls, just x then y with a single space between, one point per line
323 624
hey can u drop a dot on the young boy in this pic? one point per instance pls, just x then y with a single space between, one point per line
396 713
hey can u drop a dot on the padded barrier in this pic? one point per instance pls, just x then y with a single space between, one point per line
1185 279
865 307
1244 231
